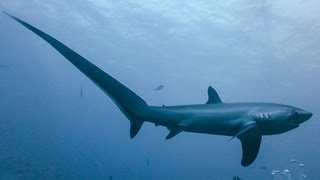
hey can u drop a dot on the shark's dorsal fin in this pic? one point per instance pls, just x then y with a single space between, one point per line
213 96
244 129
250 143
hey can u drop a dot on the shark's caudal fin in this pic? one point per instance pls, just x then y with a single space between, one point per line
128 102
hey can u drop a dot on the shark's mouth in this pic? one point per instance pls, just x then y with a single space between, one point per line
295 122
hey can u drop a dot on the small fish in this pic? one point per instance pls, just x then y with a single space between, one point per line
263 167
160 87
81 92
236 178
293 160
147 161
301 165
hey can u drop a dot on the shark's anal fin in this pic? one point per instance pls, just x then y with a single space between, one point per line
245 128
213 96
250 143
173 132
135 126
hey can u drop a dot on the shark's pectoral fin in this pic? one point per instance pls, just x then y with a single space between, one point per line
250 147
135 126
250 142
173 132
213 96
244 129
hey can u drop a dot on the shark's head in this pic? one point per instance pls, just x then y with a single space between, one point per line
282 119
300 116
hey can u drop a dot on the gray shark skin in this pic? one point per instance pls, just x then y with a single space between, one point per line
247 122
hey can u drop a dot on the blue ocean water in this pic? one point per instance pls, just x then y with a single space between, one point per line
56 124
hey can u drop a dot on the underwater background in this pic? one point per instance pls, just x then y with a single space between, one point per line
56 124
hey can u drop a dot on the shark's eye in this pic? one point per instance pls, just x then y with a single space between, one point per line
296 114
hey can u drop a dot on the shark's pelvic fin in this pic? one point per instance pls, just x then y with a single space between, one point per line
244 129
173 132
250 147
213 96
133 106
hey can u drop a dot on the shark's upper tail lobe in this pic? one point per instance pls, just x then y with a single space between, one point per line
133 106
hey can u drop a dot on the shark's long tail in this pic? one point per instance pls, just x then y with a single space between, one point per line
134 107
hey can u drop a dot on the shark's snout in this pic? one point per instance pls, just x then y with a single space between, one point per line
306 115
302 116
